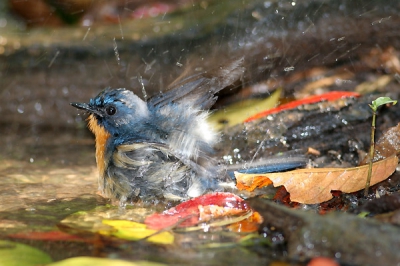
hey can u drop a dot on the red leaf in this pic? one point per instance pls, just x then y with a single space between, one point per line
322 261
47 236
197 210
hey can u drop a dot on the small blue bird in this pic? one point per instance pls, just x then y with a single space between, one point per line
162 148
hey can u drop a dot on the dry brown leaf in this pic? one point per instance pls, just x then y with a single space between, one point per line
311 186
387 145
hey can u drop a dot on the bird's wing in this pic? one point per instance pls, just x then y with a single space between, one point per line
200 89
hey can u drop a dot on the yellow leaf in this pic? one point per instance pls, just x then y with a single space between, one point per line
239 112
312 186
89 261
129 230
123 224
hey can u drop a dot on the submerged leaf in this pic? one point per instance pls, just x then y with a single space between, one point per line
86 261
16 254
47 236
129 230
199 210
312 186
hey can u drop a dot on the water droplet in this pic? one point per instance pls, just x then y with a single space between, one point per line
287 69
267 4
20 109
65 90
38 107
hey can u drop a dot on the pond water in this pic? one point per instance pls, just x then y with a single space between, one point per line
37 166
50 175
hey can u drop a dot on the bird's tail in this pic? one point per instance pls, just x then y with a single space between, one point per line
226 180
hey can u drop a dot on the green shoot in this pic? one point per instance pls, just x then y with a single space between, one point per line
374 106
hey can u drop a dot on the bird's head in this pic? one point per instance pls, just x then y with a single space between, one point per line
115 111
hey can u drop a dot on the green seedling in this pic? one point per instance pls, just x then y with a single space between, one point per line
374 106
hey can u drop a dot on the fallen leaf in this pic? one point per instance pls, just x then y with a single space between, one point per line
255 183
15 254
248 225
326 82
237 113
201 209
129 230
311 186
322 261
47 236
85 261
387 145
208 212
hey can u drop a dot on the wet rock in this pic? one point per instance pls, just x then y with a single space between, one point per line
350 239
326 127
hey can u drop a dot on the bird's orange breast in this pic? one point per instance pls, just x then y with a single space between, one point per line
101 136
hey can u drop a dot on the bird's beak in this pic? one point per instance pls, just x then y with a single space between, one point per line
86 107
83 106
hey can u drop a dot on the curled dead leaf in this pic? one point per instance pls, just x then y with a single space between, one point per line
313 186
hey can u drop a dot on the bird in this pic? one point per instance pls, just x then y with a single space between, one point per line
162 148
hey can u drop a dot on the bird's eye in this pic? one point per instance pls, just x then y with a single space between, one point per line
111 110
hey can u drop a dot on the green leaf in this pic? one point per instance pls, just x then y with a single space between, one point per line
16 254
381 101
89 261
363 214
